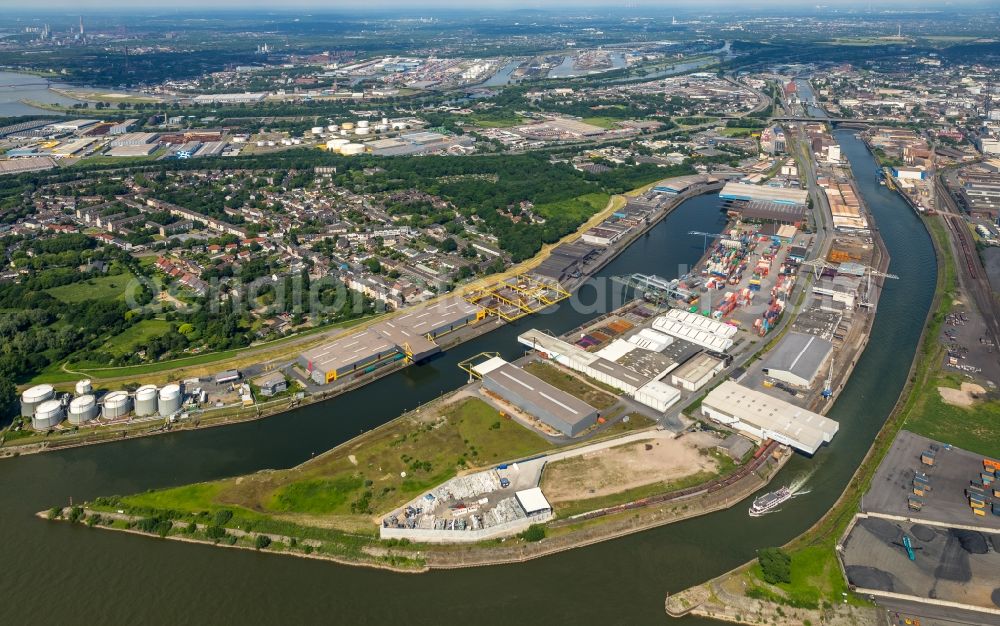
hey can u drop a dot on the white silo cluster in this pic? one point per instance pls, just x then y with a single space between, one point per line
335 133
35 396
47 411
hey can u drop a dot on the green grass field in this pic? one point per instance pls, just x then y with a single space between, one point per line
602 121
579 208
136 335
974 429
494 120
100 288
379 471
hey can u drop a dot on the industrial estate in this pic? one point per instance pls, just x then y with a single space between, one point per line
584 286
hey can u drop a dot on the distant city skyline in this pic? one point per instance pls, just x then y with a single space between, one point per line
415 7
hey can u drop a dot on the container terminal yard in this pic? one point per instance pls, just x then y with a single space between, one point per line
707 330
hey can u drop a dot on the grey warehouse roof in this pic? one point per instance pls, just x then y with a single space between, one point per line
799 354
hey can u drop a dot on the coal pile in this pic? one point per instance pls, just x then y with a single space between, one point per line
923 533
971 541
870 578
883 529
954 562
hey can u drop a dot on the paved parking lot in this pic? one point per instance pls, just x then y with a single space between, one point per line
946 503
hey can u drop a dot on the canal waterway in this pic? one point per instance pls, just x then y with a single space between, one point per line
75 573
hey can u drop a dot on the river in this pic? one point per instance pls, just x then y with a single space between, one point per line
67 573
15 87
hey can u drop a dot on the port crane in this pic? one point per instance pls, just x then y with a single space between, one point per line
706 236
828 385
818 265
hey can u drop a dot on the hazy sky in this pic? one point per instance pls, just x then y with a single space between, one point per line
414 6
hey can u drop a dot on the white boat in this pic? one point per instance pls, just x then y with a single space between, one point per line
769 501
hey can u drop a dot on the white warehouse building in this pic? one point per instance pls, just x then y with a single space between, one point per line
699 330
761 416
647 389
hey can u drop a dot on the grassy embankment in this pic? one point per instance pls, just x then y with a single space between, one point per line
973 428
334 499
816 578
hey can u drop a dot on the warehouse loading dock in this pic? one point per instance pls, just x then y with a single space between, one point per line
410 336
556 408
765 417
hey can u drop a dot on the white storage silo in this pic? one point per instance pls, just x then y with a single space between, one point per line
317 130
34 396
352 148
170 400
116 404
145 401
83 387
362 124
47 414
361 131
82 409
333 128
336 144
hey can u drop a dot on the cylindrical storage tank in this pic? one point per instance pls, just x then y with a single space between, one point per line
385 121
361 131
116 404
83 387
332 128
336 144
317 130
47 414
362 124
34 396
145 401
347 125
82 410
352 148
170 400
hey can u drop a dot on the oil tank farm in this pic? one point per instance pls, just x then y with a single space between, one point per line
47 414
83 387
82 409
33 397
116 404
145 401
169 401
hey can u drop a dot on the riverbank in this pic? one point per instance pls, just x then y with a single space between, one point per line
819 591
356 543
235 414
